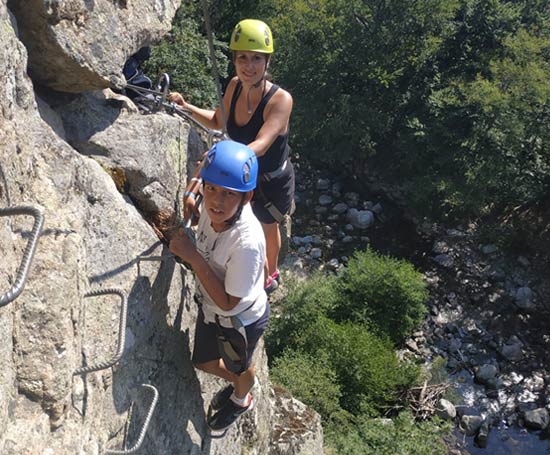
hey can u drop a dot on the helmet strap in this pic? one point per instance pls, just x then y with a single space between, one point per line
231 221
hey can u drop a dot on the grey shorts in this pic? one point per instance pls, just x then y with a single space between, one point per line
206 344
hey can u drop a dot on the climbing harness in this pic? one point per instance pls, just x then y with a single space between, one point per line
121 330
231 346
138 443
30 249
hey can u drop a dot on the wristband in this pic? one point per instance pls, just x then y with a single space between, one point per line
190 194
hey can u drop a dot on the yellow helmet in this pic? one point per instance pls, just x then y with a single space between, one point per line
251 35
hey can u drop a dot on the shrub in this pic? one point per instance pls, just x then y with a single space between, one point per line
387 294
400 436
305 304
311 380
368 371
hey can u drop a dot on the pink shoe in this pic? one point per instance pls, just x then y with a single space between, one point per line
270 285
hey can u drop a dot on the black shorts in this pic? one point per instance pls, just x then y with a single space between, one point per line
206 345
279 191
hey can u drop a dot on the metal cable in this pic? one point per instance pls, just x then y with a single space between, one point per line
137 445
173 108
121 330
214 64
30 249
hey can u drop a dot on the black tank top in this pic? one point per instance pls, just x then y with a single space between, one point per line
275 155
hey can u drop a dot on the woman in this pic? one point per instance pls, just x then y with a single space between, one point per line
258 115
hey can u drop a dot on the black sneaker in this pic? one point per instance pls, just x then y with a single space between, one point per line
227 415
221 397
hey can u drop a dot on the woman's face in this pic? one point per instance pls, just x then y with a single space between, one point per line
250 66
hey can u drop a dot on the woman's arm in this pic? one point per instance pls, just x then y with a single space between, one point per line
182 246
211 119
276 118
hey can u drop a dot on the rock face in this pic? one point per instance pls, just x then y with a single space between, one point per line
78 45
54 157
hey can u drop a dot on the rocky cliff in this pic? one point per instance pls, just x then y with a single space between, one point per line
97 168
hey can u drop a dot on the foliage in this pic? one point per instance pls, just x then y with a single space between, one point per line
185 56
448 99
304 306
311 380
368 373
399 436
387 294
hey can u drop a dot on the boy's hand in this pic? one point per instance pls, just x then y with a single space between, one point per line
183 247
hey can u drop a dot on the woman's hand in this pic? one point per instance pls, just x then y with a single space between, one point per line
177 98
183 247
190 208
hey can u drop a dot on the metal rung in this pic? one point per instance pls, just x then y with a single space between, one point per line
30 249
137 445
121 330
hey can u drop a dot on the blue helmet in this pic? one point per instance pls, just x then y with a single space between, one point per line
231 165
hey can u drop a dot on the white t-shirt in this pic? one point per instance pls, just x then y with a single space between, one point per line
237 257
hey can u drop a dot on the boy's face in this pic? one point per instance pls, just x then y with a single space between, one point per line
222 203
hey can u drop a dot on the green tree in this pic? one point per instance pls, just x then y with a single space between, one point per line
387 294
185 56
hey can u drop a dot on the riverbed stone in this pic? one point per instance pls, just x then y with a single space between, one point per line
537 419
485 373
445 409
470 424
524 298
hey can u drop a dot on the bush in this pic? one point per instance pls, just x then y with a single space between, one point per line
311 380
369 374
400 436
387 294
302 308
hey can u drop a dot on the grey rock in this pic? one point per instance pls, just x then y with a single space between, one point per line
444 260
512 352
440 247
537 419
482 435
360 219
486 373
75 46
325 199
147 154
524 261
316 253
470 424
340 208
377 208
524 298
323 184
489 249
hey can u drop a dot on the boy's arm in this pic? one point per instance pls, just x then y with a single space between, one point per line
182 246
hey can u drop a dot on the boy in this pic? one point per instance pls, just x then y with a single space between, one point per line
228 261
